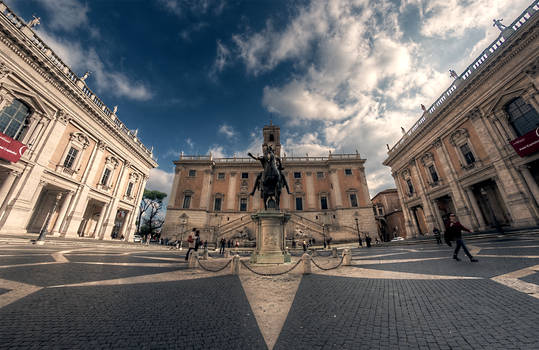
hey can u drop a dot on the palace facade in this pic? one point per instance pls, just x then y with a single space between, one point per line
68 165
475 151
330 197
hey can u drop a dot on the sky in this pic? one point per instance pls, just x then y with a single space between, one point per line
201 76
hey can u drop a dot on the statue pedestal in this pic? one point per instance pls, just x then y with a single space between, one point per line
270 237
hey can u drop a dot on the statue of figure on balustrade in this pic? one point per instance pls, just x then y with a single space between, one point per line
85 76
498 23
34 22
271 180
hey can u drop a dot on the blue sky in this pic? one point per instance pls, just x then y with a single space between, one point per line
205 76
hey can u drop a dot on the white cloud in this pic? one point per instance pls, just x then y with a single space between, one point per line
87 59
190 143
65 14
217 151
366 80
451 18
160 180
227 130
181 8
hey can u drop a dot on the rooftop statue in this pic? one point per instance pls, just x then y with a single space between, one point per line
85 76
271 180
34 22
453 74
498 23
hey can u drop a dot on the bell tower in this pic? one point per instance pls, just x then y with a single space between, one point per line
272 137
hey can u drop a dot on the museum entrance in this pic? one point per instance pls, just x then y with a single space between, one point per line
119 222
445 207
91 223
490 203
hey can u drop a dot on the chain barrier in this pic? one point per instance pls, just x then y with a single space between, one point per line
211 270
270 274
328 268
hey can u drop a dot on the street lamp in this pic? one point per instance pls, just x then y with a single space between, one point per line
358 233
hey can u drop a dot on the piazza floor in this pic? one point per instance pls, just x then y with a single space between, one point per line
86 295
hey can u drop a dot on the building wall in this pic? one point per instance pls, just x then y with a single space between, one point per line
499 189
337 221
38 192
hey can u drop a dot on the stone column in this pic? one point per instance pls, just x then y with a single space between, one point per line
6 186
231 195
410 231
461 208
61 214
126 223
205 193
530 181
174 190
476 210
136 211
311 196
98 227
518 205
429 217
336 188
113 207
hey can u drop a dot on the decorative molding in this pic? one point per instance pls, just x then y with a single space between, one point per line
427 159
437 143
101 145
458 136
81 138
474 114
405 174
111 160
4 70
62 117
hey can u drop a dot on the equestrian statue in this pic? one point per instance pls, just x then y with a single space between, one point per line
271 180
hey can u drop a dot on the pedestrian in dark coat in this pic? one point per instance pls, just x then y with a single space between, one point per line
454 230
437 235
191 242
223 243
368 241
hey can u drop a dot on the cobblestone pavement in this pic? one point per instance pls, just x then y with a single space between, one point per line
82 295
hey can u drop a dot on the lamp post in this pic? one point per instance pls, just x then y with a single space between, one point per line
358 233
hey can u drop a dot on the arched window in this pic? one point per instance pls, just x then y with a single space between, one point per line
13 119
522 116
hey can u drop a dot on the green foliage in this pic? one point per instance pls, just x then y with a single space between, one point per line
153 195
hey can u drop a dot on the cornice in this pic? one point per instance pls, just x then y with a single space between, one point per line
513 45
21 45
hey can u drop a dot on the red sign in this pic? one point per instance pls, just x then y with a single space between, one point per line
527 144
11 149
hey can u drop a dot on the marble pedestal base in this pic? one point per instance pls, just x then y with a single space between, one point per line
270 237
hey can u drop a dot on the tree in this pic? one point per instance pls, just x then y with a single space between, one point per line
150 206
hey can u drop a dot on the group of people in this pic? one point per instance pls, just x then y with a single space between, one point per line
227 243
195 243
453 232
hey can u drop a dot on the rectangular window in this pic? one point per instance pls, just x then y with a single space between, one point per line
433 173
244 175
348 171
353 200
467 153
192 173
243 204
220 176
297 175
105 178
299 203
129 189
217 204
320 175
410 186
324 202
70 158
374 210
186 201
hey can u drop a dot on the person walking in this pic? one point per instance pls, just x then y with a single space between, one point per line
191 242
223 243
197 240
368 241
360 241
437 235
304 246
454 231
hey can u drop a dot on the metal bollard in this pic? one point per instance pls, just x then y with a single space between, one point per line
236 265
334 252
227 254
347 257
192 261
306 263
205 254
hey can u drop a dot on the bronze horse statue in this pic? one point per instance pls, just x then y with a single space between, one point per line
271 180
